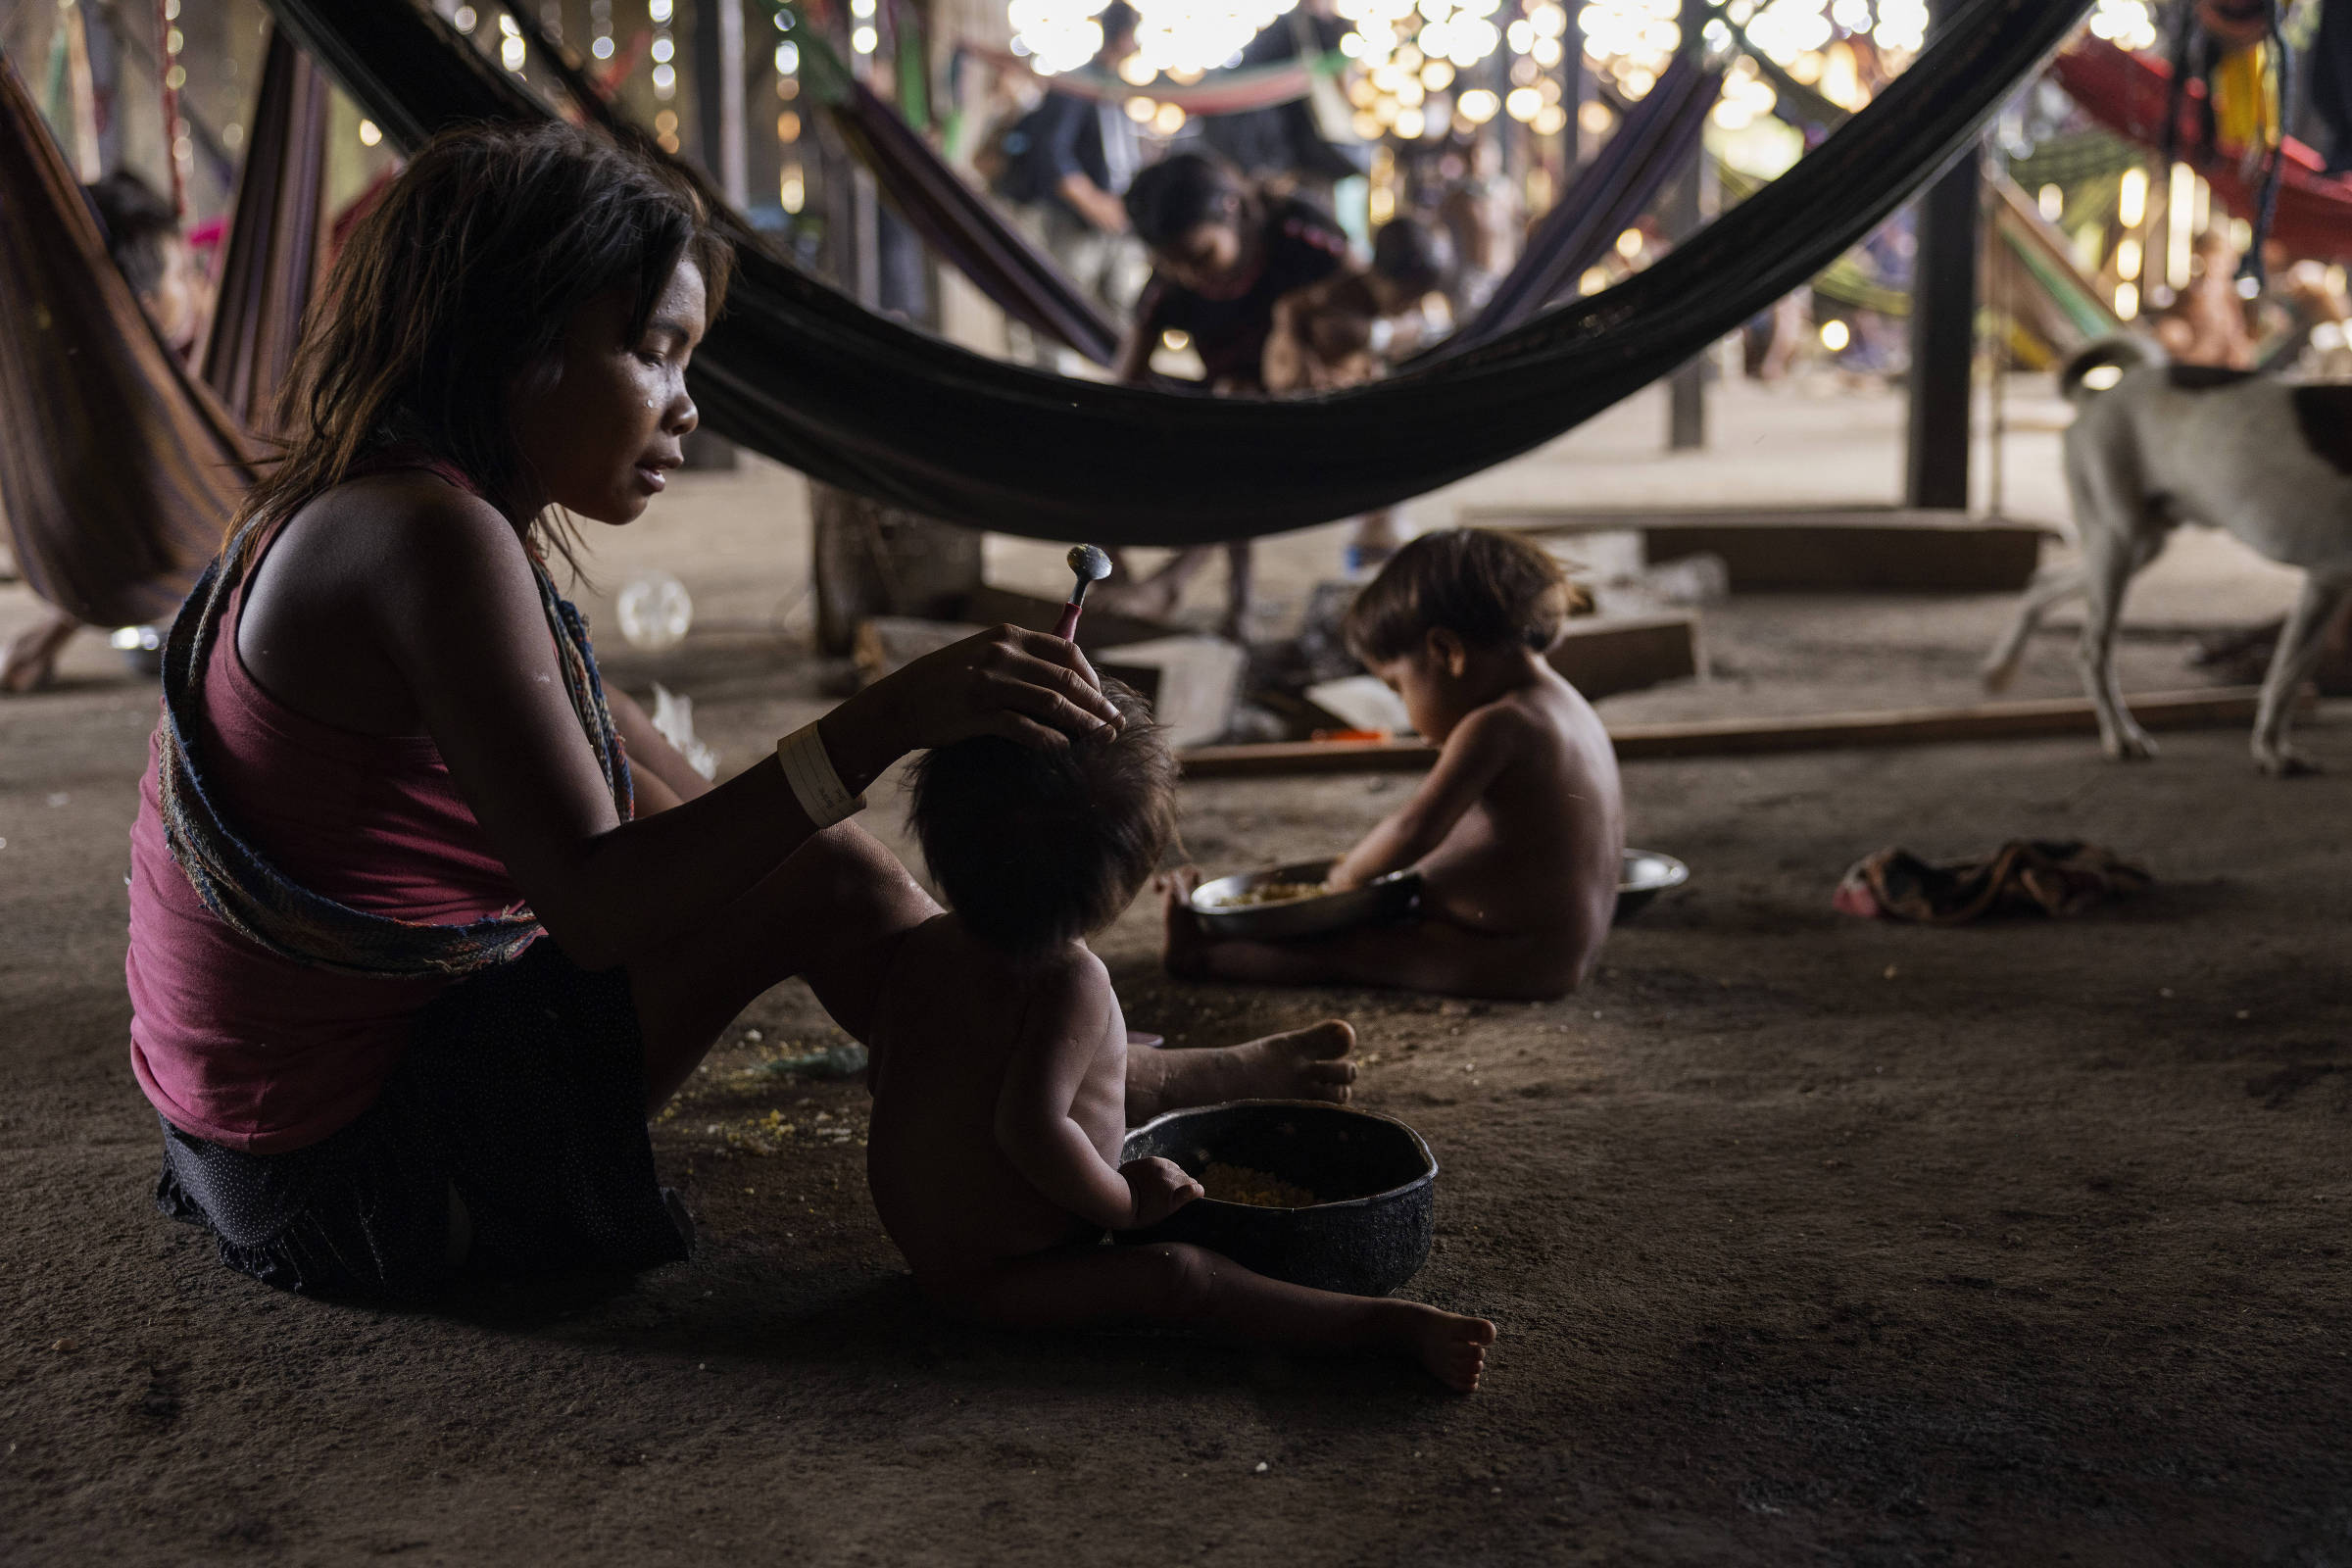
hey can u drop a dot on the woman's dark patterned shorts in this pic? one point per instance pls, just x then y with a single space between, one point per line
522 1094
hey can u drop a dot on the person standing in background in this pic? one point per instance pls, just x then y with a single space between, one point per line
1079 156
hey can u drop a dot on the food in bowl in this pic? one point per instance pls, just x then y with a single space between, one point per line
1265 893
1239 1184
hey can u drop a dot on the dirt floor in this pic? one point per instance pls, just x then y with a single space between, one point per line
1810 1240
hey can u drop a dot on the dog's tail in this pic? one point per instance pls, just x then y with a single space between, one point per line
2080 380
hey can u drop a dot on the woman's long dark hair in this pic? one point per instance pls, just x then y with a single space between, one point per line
465 274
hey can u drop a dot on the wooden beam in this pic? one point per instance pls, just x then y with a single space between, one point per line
1602 657
1912 726
1813 549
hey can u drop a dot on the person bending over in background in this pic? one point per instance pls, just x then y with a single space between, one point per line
1223 253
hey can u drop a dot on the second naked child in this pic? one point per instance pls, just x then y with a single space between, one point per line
999 1072
1519 829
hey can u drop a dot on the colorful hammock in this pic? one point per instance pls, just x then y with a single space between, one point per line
799 372
119 469
2131 95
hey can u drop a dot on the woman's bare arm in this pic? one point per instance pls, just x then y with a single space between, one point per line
662 776
457 613
1480 748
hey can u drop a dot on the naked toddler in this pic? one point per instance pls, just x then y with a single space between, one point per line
999 1072
1519 829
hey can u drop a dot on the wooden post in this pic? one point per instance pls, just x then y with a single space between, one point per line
874 560
1685 215
1943 331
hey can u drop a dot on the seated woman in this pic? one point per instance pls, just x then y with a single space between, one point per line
1519 829
423 923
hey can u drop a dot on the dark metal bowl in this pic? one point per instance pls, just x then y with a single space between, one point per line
1377 1176
1646 874
1382 899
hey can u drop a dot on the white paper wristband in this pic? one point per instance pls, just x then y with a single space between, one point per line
814 784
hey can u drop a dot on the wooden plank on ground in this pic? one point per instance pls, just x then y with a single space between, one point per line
1190 682
1814 549
1918 726
1604 655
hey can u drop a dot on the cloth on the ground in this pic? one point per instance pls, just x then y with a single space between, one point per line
523 1090
2023 876
799 372
1298 245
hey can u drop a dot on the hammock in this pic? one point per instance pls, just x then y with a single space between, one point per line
118 467
1660 136
2130 96
797 370
271 259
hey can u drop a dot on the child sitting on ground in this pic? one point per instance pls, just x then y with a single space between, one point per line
1343 330
999 1072
1519 829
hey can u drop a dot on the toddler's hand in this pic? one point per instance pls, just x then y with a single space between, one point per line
1159 1187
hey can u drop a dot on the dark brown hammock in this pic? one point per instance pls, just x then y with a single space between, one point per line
117 467
800 372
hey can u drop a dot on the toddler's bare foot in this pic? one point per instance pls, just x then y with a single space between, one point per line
1186 953
1307 1063
1453 1348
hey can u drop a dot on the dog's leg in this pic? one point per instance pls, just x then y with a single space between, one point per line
2049 585
2299 648
2113 549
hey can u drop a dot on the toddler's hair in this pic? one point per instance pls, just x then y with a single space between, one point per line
1486 588
1178 194
1034 849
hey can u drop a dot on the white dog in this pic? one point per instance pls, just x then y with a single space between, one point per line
2155 445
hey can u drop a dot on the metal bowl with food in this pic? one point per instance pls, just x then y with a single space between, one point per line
1288 902
1646 874
1346 1199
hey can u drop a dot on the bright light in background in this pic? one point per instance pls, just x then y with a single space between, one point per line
863 41
2127 301
1178 37
368 134
2052 201
2127 24
1835 336
2131 201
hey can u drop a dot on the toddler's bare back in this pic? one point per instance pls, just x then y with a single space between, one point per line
1541 849
952 1014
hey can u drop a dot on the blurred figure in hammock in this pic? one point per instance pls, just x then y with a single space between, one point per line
144 238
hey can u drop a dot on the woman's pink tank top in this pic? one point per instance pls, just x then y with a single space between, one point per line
231 1041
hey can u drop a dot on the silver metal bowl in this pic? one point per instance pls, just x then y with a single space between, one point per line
1389 897
1646 874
